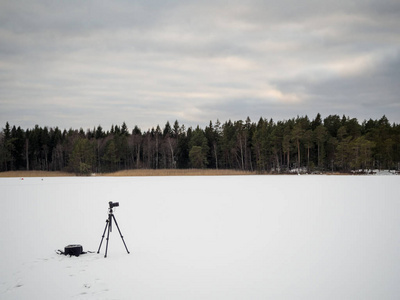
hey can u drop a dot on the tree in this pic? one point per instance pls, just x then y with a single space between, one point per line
110 156
320 136
211 133
331 147
157 134
363 153
182 152
316 122
332 124
216 142
277 136
82 157
228 145
287 141
169 144
198 139
124 129
7 149
344 148
167 129
18 148
99 133
241 143
260 143
353 127
308 143
197 157
297 136
135 145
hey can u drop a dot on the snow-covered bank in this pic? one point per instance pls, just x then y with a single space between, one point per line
245 237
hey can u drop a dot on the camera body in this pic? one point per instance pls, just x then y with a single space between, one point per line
113 204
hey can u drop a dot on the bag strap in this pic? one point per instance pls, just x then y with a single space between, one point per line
59 252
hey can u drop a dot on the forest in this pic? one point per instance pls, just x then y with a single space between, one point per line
332 144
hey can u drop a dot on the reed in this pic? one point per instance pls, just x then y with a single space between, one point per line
35 174
135 172
177 172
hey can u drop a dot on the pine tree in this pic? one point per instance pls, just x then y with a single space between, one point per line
82 157
198 142
320 136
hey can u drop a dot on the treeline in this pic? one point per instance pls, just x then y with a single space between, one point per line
338 144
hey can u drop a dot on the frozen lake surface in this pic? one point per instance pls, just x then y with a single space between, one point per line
250 237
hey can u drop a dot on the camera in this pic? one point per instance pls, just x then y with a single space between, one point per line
113 204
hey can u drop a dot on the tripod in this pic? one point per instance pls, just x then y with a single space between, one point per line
109 225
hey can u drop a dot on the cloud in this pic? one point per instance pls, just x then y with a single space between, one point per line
146 62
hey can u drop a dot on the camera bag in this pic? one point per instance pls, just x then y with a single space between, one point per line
70 250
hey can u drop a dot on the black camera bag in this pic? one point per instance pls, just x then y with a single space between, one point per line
73 250
70 250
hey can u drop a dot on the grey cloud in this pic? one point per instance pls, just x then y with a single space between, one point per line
371 94
152 61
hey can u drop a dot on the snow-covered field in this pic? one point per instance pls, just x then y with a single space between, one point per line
250 237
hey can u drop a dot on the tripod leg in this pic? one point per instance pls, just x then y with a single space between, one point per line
120 234
101 242
108 233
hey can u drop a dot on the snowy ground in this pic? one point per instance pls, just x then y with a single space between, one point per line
250 237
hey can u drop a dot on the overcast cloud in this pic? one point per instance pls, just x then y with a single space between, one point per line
87 63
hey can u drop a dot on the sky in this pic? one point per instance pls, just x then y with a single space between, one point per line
80 64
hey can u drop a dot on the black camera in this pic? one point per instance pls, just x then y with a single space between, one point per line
115 204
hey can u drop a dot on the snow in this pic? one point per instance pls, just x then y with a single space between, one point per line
234 237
